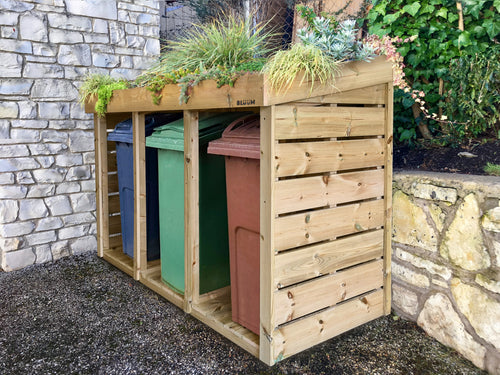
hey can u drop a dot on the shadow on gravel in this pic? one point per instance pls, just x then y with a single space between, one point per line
81 315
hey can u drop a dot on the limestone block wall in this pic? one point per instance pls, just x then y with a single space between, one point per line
446 260
47 186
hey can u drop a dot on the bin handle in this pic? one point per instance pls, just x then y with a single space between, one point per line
239 122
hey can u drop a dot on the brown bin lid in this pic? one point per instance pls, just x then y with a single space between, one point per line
241 138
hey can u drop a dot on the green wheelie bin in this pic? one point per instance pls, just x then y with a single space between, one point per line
214 250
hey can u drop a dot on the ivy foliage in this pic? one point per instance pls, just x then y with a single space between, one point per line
433 54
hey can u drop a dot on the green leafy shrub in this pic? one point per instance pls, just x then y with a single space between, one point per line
473 98
438 42
492 169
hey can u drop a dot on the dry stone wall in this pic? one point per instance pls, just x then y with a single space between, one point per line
446 260
47 185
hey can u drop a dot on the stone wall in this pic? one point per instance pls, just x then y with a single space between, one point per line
446 260
47 188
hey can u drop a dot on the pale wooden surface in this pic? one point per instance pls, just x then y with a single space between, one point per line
267 267
366 95
191 210
310 227
324 258
304 333
388 200
293 122
328 190
120 260
325 156
101 180
311 296
152 279
140 234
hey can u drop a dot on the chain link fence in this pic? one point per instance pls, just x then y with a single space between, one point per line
178 16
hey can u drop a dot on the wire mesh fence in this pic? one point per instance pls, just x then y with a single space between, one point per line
279 15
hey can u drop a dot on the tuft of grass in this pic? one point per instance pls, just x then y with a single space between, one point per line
284 66
493 169
226 42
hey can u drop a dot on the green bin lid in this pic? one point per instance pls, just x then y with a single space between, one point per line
171 136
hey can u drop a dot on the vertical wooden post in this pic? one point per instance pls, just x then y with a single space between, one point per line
267 177
101 176
191 210
140 235
388 197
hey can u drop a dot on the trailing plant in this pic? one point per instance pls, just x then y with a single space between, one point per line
444 32
314 63
100 87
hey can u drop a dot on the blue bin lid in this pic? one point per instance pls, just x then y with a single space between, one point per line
171 136
123 131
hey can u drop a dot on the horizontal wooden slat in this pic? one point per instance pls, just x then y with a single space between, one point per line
115 242
325 156
366 95
295 122
119 259
311 261
297 301
114 204
115 225
112 166
310 227
318 191
113 183
304 333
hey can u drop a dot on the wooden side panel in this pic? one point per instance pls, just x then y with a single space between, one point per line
297 336
191 210
366 95
295 122
325 156
267 267
310 227
317 294
328 190
388 200
312 261
139 150
101 165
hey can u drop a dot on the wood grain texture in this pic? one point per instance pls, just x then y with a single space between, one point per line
191 210
388 199
318 157
310 227
304 333
365 95
101 179
315 260
328 190
140 234
267 267
299 122
297 301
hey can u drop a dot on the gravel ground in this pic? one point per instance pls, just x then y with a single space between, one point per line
81 315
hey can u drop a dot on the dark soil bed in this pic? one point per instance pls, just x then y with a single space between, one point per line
80 315
448 159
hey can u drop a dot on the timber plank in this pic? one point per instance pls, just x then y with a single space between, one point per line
365 95
315 260
318 157
310 227
312 330
318 191
296 301
152 279
119 259
296 122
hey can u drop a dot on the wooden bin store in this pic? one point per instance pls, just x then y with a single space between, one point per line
325 204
